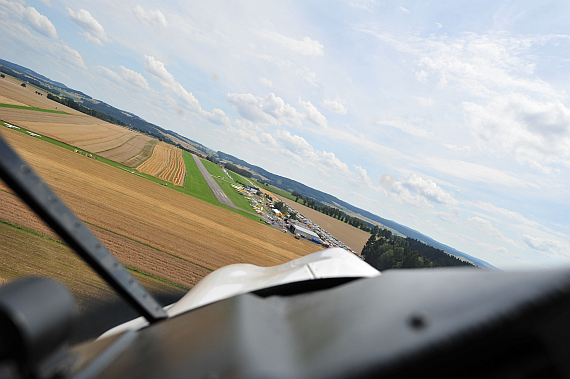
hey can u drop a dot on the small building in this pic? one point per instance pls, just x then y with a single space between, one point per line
296 229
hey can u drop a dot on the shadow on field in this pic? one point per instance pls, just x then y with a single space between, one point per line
96 320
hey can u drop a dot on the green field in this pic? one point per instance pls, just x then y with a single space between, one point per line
226 185
195 184
275 190
30 108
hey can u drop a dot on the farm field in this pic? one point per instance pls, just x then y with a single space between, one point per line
165 163
349 235
11 92
156 216
129 150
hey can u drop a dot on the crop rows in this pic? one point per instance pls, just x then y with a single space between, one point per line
128 150
180 174
141 210
167 173
158 161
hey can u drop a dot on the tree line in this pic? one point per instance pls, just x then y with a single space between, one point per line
427 256
237 170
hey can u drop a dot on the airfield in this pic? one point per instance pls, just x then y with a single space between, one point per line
147 201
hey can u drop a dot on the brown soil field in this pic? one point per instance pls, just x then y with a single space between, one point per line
101 143
129 252
180 174
25 254
143 155
349 235
11 89
127 150
154 215
162 162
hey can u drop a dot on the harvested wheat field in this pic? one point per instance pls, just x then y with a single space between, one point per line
165 220
128 150
13 93
165 163
349 235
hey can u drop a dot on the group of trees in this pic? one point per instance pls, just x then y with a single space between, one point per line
237 170
333 212
396 252
383 254
78 107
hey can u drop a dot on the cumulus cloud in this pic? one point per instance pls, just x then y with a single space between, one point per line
265 82
152 18
487 227
438 25
273 110
134 78
312 113
29 16
338 105
108 73
183 98
296 144
546 246
417 191
363 176
535 132
92 27
404 10
306 46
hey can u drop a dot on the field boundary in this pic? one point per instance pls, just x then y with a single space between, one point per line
25 107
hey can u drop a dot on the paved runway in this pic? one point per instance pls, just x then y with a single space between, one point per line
214 186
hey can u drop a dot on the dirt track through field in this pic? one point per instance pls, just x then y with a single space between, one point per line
153 215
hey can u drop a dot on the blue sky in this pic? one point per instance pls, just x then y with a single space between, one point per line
449 117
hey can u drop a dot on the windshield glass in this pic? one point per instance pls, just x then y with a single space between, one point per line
190 136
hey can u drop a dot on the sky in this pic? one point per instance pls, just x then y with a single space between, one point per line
449 117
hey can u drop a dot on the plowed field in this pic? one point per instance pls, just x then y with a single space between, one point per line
130 149
161 218
165 163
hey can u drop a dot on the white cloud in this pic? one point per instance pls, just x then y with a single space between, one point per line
458 149
438 25
183 98
421 76
425 102
477 173
338 105
536 132
306 46
91 38
550 247
29 16
88 23
312 114
46 3
485 226
428 189
265 82
272 110
363 176
295 144
415 190
134 78
404 10
108 73
515 216
153 18
405 126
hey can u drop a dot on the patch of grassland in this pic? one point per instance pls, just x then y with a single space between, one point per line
30 108
195 183
238 199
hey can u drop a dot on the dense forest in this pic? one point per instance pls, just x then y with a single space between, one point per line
396 252
237 170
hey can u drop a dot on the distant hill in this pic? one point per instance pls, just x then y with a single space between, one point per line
292 185
129 118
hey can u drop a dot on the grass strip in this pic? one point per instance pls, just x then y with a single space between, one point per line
132 269
30 108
